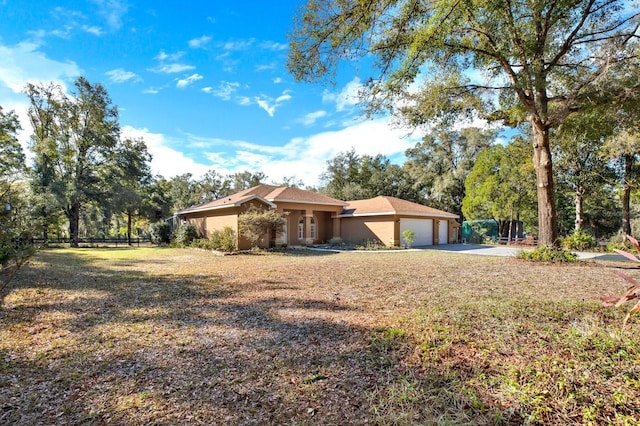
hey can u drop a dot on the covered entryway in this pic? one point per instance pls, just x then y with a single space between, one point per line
443 232
423 229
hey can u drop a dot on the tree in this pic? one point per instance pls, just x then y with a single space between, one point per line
74 140
245 180
350 176
184 190
579 160
500 186
13 251
214 186
443 160
255 223
624 150
545 59
131 176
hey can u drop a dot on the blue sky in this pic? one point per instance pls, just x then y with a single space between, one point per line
204 83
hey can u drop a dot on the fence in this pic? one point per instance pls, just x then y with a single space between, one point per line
92 242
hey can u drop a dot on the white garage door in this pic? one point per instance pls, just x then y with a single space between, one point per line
443 232
423 229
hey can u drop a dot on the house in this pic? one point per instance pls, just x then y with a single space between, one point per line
314 218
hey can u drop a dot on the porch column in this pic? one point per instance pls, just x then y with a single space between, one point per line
336 236
308 215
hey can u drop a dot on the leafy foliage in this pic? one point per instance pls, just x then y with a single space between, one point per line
224 240
501 184
185 234
160 233
543 60
547 253
408 236
350 176
15 246
255 223
579 240
440 164
74 141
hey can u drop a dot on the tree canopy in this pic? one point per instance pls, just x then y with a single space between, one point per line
544 60
74 139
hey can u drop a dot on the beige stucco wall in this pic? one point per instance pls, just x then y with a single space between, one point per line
386 229
362 229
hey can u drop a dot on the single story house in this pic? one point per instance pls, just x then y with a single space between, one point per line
313 218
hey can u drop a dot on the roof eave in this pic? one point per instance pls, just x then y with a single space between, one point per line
446 216
226 206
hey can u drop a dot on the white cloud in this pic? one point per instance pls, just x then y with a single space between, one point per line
172 68
151 91
270 105
200 42
306 157
272 45
112 11
347 97
92 29
166 161
277 80
312 117
239 44
171 57
182 83
120 75
224 90
23 63
266 67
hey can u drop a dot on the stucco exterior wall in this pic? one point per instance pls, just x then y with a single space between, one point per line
362 229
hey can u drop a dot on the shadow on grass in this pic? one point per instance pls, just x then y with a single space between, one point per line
105 342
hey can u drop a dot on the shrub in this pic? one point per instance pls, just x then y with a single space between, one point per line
185 234
255 223
579 240
224 240
548 253
408 236
160 233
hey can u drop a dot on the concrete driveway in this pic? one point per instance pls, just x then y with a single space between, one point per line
510 251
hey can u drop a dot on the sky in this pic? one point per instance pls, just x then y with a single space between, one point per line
203 82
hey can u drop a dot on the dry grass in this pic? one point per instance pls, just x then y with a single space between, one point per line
168 336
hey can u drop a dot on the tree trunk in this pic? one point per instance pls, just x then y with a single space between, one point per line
626 195
129 228
547 215
74 224
579 210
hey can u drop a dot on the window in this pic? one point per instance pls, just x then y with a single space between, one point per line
312 230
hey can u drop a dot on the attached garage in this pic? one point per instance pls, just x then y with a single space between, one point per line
385 218
423 229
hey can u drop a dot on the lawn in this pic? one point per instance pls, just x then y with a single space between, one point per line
174 336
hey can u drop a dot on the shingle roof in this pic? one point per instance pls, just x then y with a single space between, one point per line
268 193
384 205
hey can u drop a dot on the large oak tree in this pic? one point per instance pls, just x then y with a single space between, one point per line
545 59
74 141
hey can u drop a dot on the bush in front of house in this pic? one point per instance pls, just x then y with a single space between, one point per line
223 240
160 233
185 234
